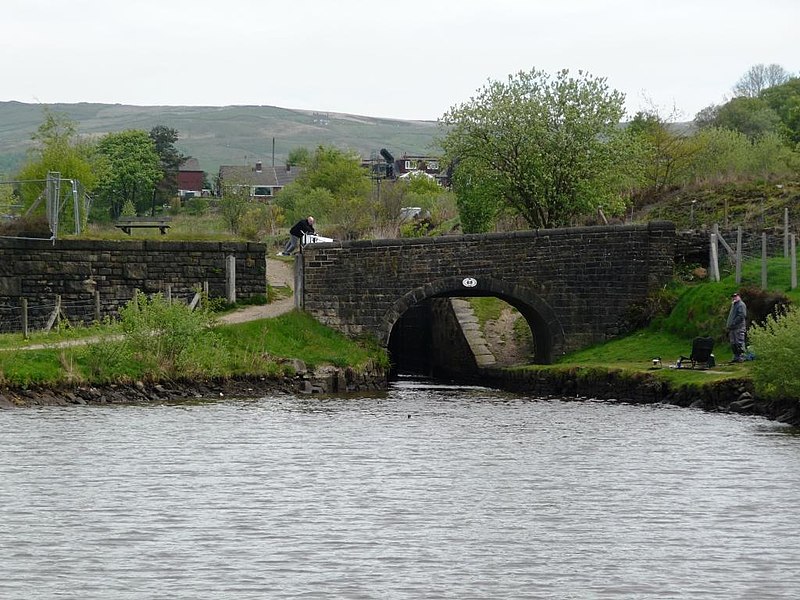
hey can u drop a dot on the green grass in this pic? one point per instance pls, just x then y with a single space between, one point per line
297 335
701 310
635 353
254 348
184 227
13 341
486 308
43 367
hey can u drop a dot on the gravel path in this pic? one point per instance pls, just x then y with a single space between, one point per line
280 273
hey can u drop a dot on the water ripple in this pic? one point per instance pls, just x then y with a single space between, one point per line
428 491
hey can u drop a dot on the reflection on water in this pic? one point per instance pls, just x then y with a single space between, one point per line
427 491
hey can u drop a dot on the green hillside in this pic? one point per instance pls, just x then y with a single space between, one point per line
226 135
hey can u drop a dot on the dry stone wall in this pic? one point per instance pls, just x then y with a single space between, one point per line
39 270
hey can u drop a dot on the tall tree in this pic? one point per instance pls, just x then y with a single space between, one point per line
542 141
784 99
333 187
667 152
58 148
164 139
133 168
758 78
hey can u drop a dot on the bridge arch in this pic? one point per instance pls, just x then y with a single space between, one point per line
547 330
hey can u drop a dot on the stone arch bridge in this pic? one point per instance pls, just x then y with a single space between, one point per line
574 286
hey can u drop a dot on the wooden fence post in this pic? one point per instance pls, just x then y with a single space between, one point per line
763 260
793 258
230 278
169 293
739 255
97 306
25 318
785 232
713 262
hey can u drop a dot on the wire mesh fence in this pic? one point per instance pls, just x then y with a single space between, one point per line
44 314
774 251
43 208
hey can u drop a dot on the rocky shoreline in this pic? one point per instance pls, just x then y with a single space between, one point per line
730 395
325 380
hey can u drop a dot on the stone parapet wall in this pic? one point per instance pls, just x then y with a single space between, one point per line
39 270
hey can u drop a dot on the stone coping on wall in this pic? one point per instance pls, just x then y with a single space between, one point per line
133 245
665 226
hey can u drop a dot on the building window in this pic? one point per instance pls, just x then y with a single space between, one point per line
260 191
433 165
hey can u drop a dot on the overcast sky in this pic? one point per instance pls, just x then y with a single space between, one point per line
407 59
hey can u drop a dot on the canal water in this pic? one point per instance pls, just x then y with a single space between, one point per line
427 491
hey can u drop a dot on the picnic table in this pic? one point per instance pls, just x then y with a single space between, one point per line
128 223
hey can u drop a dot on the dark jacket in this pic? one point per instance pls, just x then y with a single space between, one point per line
301 227
737 317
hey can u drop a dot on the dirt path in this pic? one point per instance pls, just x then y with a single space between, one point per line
280 273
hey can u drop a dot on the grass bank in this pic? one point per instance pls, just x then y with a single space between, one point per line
258 348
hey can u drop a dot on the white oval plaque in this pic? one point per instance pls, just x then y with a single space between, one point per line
469 282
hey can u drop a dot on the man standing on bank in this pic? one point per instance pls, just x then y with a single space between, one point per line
296 234
736 326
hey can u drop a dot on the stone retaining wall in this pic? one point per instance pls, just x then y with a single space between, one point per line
39 270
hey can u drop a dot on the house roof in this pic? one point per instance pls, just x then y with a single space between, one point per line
267 176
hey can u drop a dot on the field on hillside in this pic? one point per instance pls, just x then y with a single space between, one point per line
226 135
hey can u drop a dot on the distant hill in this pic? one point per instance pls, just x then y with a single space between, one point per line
222 135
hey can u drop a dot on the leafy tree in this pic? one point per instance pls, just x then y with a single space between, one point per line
751 116
334 188
234 205
722 155
785 101
298 157
164 139
707 116
542 142
58 148
667 153
337 171
133 168
758 78
478 197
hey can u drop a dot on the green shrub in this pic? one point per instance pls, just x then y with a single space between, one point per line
657 303
171 339
777 349
197 206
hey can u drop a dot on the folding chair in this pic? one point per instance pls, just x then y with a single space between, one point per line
701 353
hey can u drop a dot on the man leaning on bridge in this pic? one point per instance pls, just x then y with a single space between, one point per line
296 233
